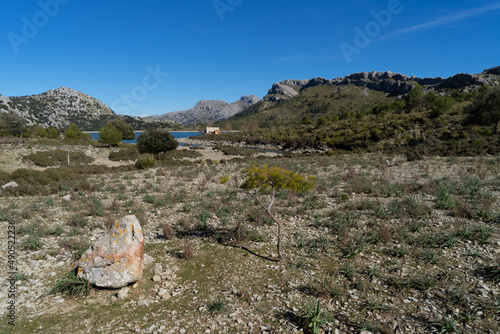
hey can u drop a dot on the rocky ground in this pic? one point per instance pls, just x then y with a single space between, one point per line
384 245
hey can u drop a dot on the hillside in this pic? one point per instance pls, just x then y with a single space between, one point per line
377 112
63 106
209 111
289 101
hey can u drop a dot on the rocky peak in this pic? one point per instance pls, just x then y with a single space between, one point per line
250 99
210 111
494 70
394 84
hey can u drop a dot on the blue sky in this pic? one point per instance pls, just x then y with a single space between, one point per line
157 56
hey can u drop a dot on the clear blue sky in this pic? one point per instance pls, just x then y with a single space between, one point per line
103 48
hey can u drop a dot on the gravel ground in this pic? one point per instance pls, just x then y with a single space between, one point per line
361 244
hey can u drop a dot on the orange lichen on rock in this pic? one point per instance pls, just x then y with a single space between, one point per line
115 260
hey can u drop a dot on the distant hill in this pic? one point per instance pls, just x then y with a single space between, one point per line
209 111
375 112
63 106
288 101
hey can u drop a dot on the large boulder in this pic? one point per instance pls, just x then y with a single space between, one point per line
12 184
115 260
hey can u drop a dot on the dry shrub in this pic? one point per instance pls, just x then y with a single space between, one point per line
385 234
203 183
115 206
28 213
187 250
351 173
481 173
110 222
464 210
240 233
168 233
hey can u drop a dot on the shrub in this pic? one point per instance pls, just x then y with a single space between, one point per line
146 161
187 250
71 286
486 108
156 142
78 220
167 231
129 154
231 150
217 306
59 158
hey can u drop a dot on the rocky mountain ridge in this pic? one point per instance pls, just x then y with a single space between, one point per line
394 84
209 111
57 107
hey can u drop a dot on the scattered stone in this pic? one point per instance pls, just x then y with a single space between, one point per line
115 260
148 259
143 302
156 278
67 198
158 269
123 293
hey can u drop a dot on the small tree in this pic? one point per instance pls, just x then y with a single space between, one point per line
110 135
306 120
268 180
11 123
415 98
73 132
156 142
53 132
126 129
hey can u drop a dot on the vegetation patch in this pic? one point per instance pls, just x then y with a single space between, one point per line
59 158
128 154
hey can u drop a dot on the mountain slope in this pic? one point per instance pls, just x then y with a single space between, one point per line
209 111
58 107
289 101
63 106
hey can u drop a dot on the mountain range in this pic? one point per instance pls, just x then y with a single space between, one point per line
286 102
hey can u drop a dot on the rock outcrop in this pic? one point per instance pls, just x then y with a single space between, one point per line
393 84
11 184
115 260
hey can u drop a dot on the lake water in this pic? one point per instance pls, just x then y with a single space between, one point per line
177 135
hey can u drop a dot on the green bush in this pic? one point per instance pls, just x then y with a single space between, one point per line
486 107
73 132
53 132
146 161
156 142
